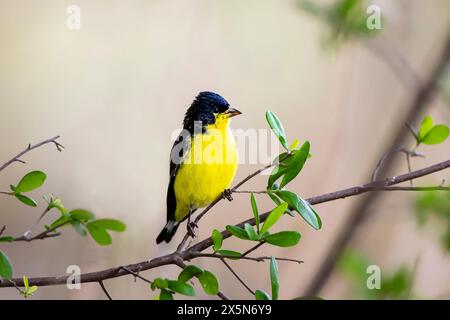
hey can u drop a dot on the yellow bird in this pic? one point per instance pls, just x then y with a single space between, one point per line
203 161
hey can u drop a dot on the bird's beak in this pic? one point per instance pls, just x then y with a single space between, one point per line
231 112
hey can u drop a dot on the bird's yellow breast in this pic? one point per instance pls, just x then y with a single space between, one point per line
207 170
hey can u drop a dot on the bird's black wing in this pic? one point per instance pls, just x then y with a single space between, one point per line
179 150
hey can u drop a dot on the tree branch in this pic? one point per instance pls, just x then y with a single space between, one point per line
237 276
178 257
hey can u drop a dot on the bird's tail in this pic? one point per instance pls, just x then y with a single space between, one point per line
167 233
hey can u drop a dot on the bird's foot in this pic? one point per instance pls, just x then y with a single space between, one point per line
227 194
191 229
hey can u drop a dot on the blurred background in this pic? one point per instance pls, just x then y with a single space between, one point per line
116 89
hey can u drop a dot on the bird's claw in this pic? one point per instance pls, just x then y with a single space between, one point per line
227 194
191 229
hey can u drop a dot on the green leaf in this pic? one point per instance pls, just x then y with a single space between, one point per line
255 211
229 254
436 135
25 282
99 234
159 283
7 239
277 201
283 238
425 127
261 295
282 167
217 239
81 215
294 144
273 217
277 128
237 232
27 200
302 207
79 228
189 272
98 229
274 198
31 181
59 222
251 233
296 165
110 224
32 290
181 287
165 295
6 269
274 278
209 283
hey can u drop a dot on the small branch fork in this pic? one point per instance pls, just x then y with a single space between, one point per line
196 251
408 153
30 147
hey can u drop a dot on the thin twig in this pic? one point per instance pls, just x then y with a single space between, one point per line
222 296
136 275
237 276
259 244
255 192
224 256
104 289
437 188
47 209
412 130
43 235
387 155
30 147
2 230
13 284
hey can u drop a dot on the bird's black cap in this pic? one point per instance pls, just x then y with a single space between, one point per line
204 108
